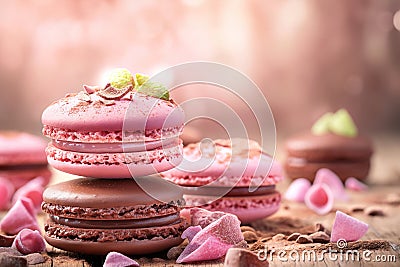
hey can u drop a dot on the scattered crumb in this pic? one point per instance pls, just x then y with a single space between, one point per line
304 239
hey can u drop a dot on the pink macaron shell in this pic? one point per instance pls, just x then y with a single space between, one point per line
143 112
256 171
247 209
116 170
19 148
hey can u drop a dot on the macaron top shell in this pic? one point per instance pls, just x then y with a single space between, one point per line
226 160
93 113
19 148
111 193
329 147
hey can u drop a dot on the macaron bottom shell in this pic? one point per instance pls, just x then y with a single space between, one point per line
343 169
247 209
137 247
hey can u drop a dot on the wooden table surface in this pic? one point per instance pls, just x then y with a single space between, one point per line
384 183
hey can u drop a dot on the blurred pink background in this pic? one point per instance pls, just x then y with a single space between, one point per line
308 57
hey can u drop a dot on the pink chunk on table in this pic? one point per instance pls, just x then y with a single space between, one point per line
190 232
347 228
20 216
203 217
354 184
28 241
297 190
319 198
328 177
33 190
115 259
213 241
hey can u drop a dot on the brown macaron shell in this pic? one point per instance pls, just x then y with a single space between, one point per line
96 216
346 156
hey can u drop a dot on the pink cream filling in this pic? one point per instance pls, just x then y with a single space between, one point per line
127 147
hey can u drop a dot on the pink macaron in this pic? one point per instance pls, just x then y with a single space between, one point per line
233 176
22 158
113 137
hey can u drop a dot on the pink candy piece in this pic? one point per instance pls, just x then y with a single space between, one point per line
328 177
347 228
115 259
354 184
212 248
190 232
297 190
213 241
20 216
33 190
319 198
6 191
28 241
204 217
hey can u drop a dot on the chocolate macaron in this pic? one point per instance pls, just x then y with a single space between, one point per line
97 216
333 143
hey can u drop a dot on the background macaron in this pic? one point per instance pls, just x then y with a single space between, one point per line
96 216
346 156
93 135
233 176
22 158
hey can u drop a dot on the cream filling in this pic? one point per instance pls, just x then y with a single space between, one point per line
120 147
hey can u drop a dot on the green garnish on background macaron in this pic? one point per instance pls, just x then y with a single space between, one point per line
339 123
321 126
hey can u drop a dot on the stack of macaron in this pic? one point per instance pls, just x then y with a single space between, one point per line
128 128
22 159
233 176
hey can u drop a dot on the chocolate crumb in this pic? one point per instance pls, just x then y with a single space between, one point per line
70 95
257 246
250 236
10 251
6 240
304 239
392 199
320 237
374 211
9 260
107 102
174 252
357 209
265 239
35 258
279 237
319 227
158 260
293 237
83 96
237 257
247 228
91 89
241 244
